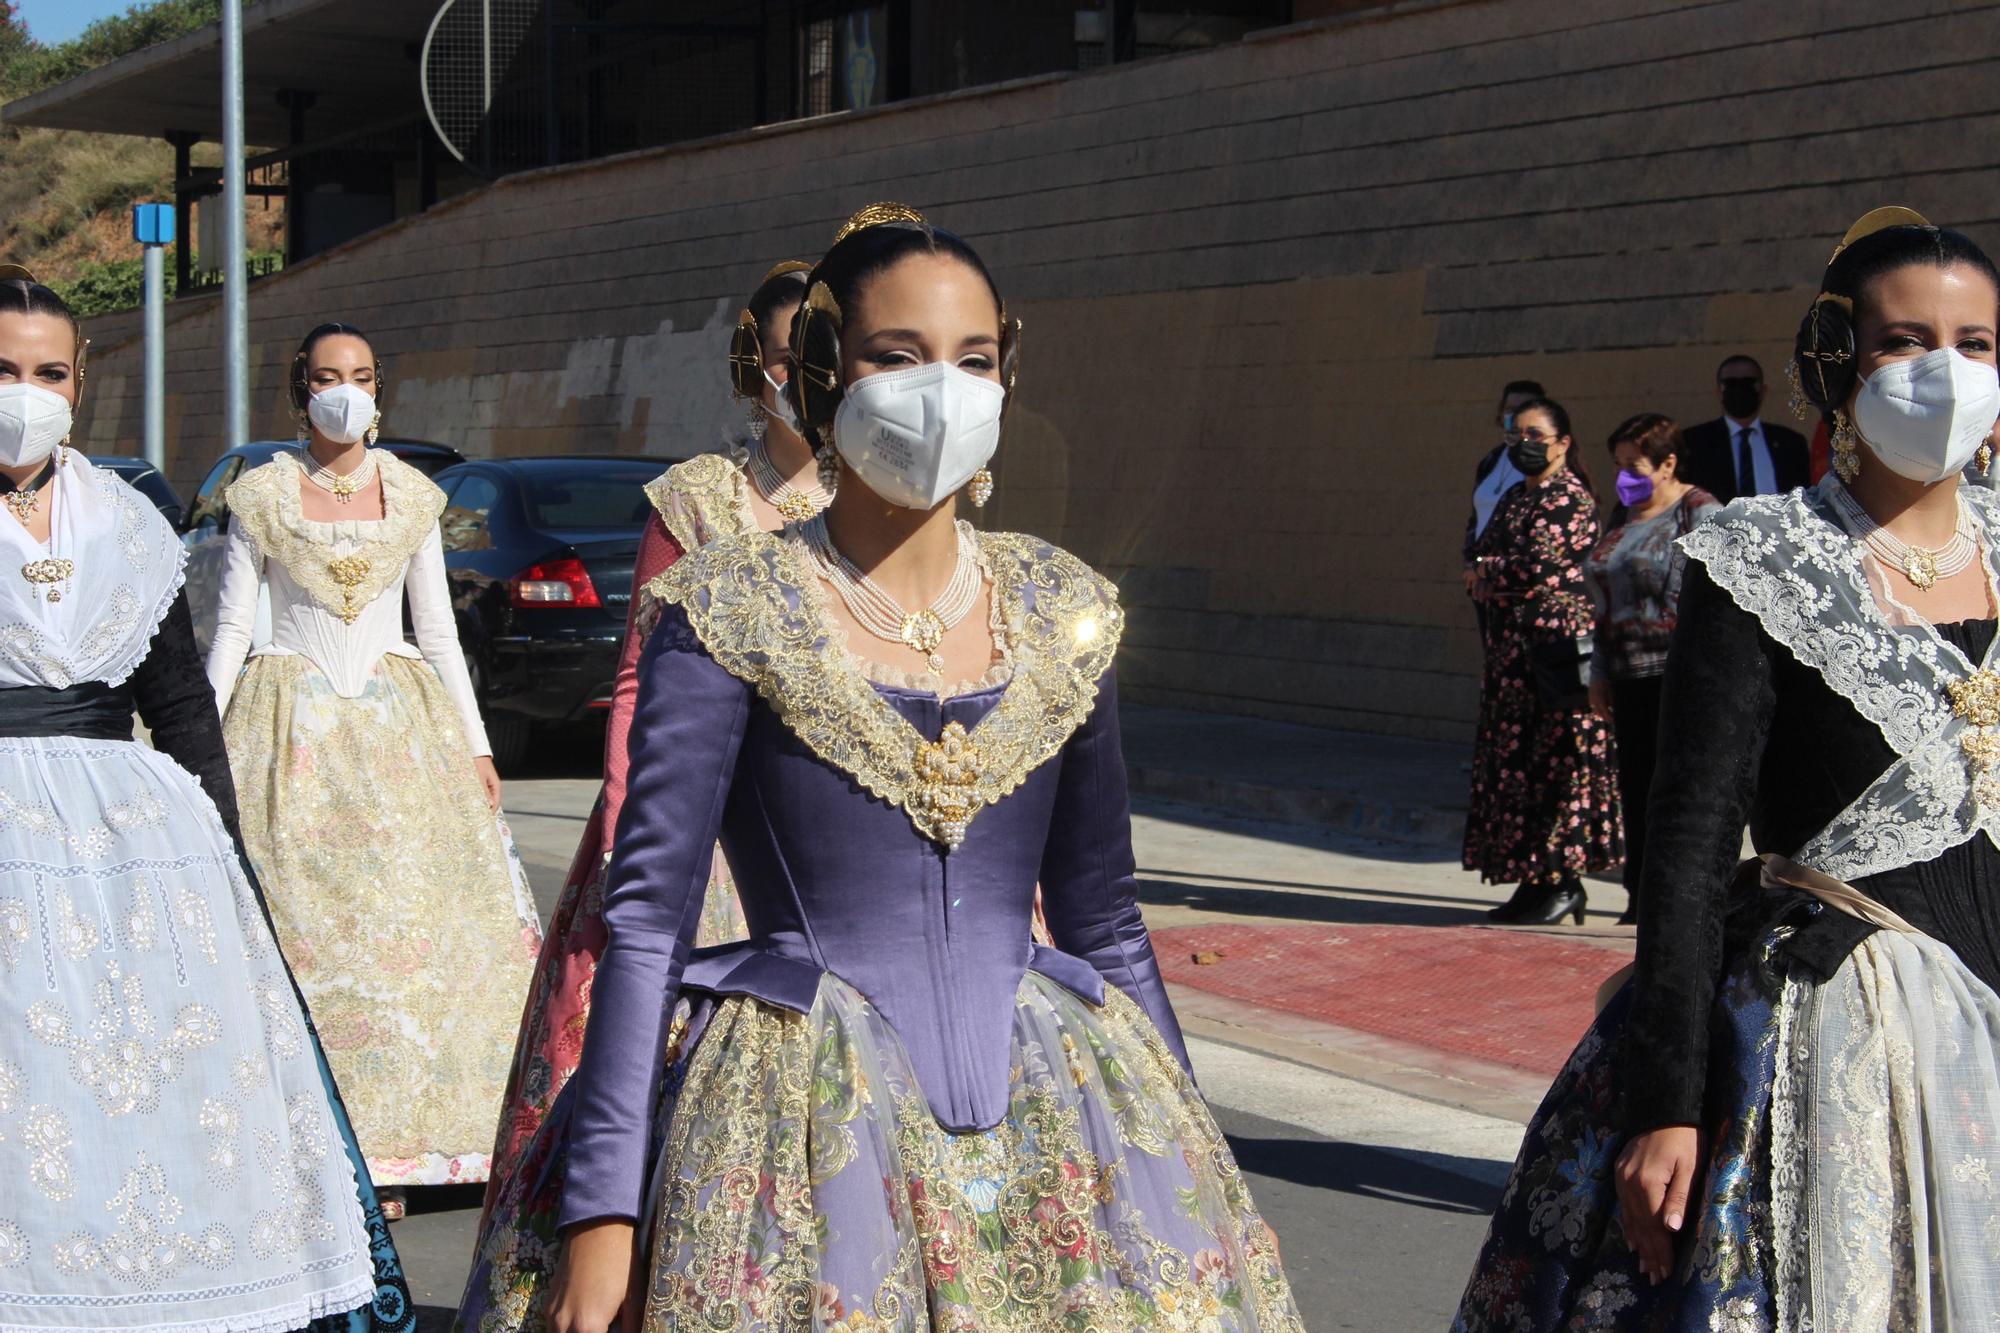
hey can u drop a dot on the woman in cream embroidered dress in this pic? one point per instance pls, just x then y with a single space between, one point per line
370 805
771 482
173 1152
1787 1120
890 1109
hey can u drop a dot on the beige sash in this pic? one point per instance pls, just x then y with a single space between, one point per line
1779 873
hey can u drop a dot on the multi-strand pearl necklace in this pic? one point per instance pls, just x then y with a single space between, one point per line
342 486
795 504
882 615
1922 566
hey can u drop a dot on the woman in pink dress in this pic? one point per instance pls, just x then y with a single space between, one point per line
769 480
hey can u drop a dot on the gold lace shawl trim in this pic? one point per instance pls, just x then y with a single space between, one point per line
265 500
702 499
748 601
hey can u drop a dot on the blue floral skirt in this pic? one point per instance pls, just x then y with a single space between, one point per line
1556 1256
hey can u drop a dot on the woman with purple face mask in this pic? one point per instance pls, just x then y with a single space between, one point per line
1634 577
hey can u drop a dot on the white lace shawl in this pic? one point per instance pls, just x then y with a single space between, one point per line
1790 561
128 567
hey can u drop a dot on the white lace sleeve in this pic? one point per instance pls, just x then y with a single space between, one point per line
235 614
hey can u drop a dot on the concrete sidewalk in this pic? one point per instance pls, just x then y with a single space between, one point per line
1380 787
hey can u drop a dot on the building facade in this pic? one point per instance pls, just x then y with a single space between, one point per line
1271 290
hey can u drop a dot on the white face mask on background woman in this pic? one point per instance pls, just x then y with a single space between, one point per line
780 408
33 421
916 436
343 413
1926 417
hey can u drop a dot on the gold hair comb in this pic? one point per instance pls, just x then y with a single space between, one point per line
876 215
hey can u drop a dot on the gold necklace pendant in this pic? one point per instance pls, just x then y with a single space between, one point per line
48 576
796 507
1920 567
923 632
23 503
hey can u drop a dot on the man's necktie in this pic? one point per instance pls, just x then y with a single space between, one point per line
1746 471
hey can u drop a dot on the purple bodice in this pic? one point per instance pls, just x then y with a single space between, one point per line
834 879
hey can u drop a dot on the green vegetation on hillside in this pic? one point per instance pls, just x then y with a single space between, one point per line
66 196
27 66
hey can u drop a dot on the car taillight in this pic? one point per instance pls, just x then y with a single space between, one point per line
562 582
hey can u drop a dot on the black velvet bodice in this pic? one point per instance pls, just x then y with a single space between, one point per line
1750 734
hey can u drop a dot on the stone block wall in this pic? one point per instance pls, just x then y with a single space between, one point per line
1271 292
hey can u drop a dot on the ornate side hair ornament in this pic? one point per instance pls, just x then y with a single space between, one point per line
1823 365
746 344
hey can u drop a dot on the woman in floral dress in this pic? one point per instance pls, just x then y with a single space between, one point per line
890 1109
370 804
1544 776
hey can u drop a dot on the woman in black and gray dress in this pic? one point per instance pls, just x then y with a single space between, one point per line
1634 577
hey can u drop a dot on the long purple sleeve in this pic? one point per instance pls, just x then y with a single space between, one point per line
1090 881
686 730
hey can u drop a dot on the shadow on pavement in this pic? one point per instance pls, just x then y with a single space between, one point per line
1312 902
1353 1168
1352 841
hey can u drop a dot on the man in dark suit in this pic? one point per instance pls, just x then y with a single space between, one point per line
1495 476
1739 453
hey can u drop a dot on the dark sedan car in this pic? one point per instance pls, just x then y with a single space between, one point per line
540 553
146 480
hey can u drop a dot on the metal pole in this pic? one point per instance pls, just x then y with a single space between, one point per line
156 356
235 260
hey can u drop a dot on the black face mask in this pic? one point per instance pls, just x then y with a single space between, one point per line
1529 457
1741 398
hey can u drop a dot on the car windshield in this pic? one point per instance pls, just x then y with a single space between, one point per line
588 494
426 461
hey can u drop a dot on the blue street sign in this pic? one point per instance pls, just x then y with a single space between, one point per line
153 224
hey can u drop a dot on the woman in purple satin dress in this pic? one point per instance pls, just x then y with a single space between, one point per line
890 1109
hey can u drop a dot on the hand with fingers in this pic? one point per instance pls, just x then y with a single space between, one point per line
1656 1176
594 1290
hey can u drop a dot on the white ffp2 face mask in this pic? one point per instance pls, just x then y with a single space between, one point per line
915 436
33 421
343 413
1926 417
780 407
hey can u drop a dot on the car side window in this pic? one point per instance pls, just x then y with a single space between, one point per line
211 506
467 521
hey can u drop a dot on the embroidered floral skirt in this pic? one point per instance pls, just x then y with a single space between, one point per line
803 1184
399 901
171 1153
1544 780
1851 1181
550 1043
